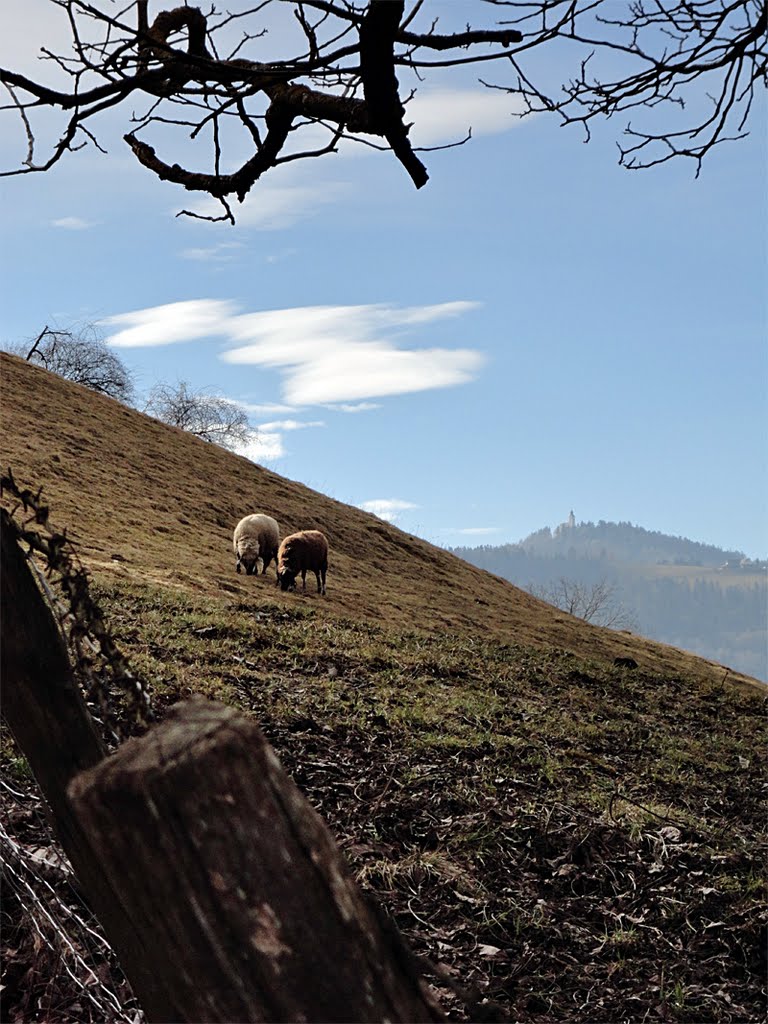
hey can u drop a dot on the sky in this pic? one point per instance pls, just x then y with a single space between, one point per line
536 330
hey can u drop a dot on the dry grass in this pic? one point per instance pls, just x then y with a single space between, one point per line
150 503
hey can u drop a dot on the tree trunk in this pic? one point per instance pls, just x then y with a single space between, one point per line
242 902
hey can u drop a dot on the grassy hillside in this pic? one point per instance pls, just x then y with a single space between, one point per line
576 841
149 503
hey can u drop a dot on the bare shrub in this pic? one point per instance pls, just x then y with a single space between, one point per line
79 353
208 416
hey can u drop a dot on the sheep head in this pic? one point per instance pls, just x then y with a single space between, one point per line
247 558
287 579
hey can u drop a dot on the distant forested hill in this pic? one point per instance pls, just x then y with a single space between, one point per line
622 542
696 596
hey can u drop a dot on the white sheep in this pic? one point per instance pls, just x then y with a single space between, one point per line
307 549
256 537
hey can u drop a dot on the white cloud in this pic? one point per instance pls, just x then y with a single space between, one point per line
290 425
267 408
326 354
437 117
270 207
264 447
378 369
174 322
441 116
335 354
355 406
20 40
215 253
387 508
73 223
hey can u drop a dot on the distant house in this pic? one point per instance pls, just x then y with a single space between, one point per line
744 565
753 565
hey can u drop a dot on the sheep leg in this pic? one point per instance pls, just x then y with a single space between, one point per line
323 570
303 579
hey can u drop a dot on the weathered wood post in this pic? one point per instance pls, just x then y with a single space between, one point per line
47 715
245 908
42 703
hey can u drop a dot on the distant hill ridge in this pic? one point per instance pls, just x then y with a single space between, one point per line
623 542
697 596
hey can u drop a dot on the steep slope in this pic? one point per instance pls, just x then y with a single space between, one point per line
151 503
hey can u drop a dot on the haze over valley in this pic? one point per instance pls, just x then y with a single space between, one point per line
697 596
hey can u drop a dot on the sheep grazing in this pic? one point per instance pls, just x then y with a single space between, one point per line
299 552
256 537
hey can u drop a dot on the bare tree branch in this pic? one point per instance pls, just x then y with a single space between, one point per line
657 61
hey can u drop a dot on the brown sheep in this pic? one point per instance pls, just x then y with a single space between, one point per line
299 552
256 537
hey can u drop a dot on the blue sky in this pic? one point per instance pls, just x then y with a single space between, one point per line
535 330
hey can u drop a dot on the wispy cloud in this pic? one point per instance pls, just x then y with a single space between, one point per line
326 354
271 207
267 408
439 117
221 253
445 115
387 508
73 223
173 322
338 354
290 424
264 447
355 406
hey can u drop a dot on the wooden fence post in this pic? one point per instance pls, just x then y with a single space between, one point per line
241 900
44 709
42 703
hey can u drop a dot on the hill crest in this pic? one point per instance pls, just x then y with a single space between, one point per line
622 542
